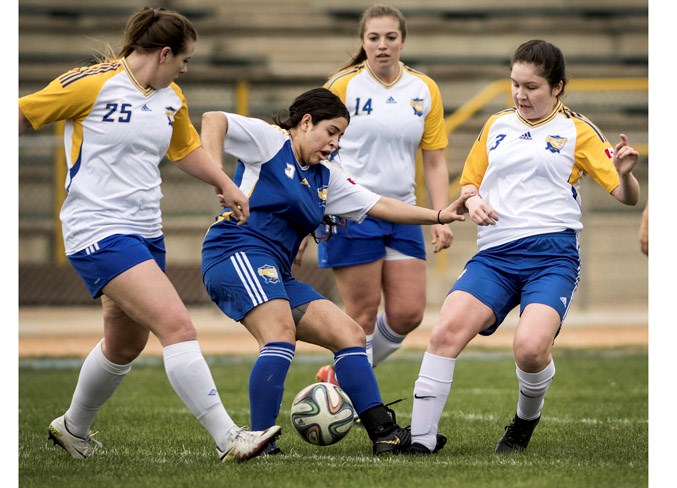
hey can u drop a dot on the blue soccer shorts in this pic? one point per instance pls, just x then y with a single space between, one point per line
366 242
102 261
249 278
541 269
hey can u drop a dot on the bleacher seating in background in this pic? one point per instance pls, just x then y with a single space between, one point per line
301 41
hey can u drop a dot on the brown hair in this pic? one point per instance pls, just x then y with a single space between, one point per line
547 57
150 29
372 13
320 103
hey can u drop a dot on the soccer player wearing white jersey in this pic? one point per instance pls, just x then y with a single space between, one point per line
395 112
122 117
524 171
247 268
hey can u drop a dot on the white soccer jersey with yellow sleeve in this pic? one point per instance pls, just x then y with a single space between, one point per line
387 126
530 173
116 135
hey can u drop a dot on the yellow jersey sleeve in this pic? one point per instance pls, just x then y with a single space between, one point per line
71 96
477 162
185 138
594 155
434 129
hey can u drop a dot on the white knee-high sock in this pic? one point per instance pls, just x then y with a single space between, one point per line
370 350
98 380
191 378
430 395
385 340
532 390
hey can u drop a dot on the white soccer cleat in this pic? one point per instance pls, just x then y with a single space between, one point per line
75 446
242 444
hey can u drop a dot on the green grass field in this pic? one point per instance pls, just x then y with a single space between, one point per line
593 433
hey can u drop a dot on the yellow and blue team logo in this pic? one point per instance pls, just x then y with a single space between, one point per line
555 144
417 105
169 112
322 194
269 274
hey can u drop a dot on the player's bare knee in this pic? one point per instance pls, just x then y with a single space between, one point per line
531 359
175 330
124 352
366 318
442 341
404 321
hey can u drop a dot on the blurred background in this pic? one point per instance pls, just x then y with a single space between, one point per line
255 56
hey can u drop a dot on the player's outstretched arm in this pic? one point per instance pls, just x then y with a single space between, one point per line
393 210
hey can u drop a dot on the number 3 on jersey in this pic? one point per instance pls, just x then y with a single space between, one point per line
365 108
125 113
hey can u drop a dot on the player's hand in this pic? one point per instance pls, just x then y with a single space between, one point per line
625 156
453 212
442 237
233 198
480 211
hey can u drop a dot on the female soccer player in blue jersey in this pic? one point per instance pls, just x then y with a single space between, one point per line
122 117
524 170
246 268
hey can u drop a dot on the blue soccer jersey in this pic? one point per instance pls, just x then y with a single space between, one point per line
287 200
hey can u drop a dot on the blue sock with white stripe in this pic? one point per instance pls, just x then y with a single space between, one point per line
266 383
356 377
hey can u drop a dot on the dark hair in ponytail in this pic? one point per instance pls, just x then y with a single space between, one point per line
150 29
320 103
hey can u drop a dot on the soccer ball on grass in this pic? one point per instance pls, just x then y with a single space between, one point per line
322 414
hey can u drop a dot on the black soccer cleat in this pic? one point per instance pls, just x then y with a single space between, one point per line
517 435
440 443
420 449
396 441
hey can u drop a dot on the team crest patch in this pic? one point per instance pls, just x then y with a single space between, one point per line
555 144
290 170
417 105
322 193
269 274
170 112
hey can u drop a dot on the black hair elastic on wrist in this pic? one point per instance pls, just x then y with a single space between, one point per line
438 217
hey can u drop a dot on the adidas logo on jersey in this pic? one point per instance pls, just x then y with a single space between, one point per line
526 136
145 108
391 100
